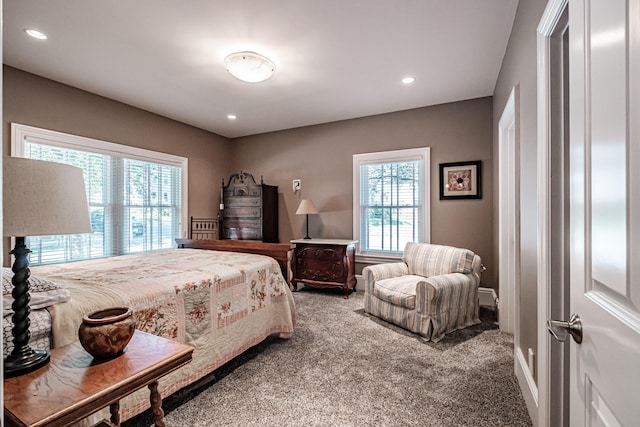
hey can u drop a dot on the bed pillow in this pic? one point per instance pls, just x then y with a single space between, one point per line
42 291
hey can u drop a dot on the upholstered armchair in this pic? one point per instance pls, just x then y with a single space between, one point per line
432 292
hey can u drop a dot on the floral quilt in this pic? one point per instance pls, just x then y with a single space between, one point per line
221 303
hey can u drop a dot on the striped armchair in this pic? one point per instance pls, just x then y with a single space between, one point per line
432 292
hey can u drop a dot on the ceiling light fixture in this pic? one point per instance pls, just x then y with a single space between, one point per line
249 66
408 80
35 34
231 116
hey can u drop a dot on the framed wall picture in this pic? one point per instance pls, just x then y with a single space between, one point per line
461 180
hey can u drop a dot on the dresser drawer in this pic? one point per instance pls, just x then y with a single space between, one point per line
243 192
327 270
234 202
242 212
335 253
242 233
243 223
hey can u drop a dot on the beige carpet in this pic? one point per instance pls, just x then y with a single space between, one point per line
345 368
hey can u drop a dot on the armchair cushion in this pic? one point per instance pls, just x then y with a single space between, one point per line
399 291
428 260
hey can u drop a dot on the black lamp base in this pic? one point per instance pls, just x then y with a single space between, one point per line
307 236
30 360
23 358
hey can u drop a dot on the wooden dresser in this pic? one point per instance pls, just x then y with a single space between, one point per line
325 263
250 210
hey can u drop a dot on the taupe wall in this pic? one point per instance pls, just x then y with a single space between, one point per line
321 156
519 68
31 100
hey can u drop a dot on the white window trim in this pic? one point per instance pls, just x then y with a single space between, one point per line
20 133
423 153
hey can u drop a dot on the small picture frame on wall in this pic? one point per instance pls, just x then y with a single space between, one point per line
461 180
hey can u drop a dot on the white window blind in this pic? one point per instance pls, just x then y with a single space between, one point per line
135 204
63 248
150 210
391 200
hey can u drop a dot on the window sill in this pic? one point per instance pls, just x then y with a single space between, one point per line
377 259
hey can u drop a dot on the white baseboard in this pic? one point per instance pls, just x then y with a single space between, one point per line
527 384
487 298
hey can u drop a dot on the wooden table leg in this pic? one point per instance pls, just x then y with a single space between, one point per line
156 405
114 409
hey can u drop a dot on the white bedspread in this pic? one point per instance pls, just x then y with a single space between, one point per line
221 303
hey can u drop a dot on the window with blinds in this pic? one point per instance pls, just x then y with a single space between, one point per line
135 203
391 200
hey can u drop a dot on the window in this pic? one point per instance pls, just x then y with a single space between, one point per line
137 198
390 201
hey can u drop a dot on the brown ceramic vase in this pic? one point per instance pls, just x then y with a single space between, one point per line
105 333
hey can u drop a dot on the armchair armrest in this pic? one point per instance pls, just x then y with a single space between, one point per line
432 291
448 300
373 273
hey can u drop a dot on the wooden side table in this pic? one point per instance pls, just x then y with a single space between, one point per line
74 385
325 263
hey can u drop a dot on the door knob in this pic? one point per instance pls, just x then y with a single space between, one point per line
560 328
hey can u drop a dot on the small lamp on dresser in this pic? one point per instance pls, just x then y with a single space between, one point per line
39 198
307 207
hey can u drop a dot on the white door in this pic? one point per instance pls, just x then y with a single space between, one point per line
605 211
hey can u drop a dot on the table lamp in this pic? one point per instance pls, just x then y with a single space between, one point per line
307 207
39 198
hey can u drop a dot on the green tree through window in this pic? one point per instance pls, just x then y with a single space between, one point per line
390 200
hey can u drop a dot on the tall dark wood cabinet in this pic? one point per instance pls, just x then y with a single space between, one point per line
250 210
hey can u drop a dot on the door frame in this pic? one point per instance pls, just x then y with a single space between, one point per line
509 244
549 23
509 215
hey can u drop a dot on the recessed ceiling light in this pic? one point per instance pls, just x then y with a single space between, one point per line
408 80
249 66
35 34
231 116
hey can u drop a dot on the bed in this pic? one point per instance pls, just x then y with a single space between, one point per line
222 303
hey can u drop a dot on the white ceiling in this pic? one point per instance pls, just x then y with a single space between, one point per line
335 59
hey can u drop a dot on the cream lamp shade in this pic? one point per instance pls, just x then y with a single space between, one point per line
307 207
38 198
43 198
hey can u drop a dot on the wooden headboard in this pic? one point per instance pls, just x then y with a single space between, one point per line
281 252
205 228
